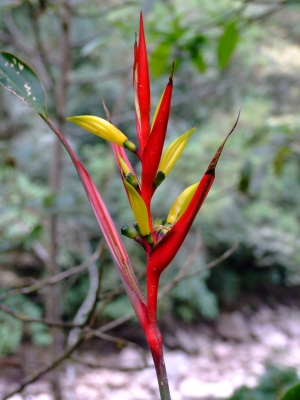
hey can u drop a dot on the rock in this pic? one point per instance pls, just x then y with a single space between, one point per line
87 392
146 377
178 364
186 342
130 358
269 336
43 396
222 351
120 394
139 393
277 340
233 326
193 388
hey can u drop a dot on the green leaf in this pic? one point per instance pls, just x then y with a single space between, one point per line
227 44
159 60
293 393
280 159
199 61
19 79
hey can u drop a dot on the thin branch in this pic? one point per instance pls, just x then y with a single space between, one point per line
182 272
214 262
50 366
46 321
116 322
93 365
57 278
183 275
91 299
113 339
40 45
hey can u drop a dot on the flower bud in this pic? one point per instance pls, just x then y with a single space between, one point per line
173 152
139 209
127 231
181 203
102 128
158 221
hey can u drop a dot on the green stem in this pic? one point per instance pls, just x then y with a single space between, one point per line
154 340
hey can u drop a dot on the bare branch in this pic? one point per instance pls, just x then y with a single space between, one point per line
36 375
46 321
93 365
57 278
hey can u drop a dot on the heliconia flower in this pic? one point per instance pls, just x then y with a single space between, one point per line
139 209
181 203
103 129
171 155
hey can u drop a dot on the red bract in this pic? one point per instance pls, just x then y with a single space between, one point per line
142 88
153 149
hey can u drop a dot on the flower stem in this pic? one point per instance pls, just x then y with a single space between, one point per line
154 340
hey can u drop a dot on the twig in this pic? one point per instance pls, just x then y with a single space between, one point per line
92 365
110 338
182 275
36 375
46 321
169 286
57 278
214 262
116 322
92 296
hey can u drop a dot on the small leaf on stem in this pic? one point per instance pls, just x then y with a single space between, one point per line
22 81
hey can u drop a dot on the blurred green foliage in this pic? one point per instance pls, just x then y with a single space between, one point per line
272 385
12 329
226 58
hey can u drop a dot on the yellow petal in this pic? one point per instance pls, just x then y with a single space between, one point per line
181 203
173 152
139 209
100 127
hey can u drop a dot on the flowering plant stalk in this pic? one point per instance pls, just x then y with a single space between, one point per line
160 239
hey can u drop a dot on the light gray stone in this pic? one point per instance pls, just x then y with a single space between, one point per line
233 326
130 358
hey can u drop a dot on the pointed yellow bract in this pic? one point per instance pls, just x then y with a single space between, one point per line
181 203
139 209
124 166
173 152
100 127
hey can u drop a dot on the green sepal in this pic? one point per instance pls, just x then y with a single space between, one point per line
128 232
159 178
130 178
158 221
137 228
130 145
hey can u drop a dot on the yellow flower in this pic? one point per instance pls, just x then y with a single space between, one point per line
172 153
181 203
139 209
104 129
